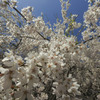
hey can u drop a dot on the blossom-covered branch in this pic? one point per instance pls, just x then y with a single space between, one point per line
58 69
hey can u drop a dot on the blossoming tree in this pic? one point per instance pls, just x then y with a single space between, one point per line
43 63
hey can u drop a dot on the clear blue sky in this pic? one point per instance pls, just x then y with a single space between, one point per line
52 8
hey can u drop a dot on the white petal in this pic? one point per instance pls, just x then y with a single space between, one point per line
7 83
18 94
23 97
5 59
30 97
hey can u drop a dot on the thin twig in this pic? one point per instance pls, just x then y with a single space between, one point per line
90 39
87 40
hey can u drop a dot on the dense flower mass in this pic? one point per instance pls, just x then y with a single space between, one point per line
45 63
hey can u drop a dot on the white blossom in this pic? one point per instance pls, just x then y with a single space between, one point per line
37 62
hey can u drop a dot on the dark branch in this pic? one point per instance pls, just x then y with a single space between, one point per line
87 40
90 39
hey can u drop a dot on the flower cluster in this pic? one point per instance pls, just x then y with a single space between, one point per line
46 64
92 21
35 71
27 12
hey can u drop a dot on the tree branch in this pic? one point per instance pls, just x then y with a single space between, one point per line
26 20
90 39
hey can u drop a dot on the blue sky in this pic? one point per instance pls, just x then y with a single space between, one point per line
52 8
